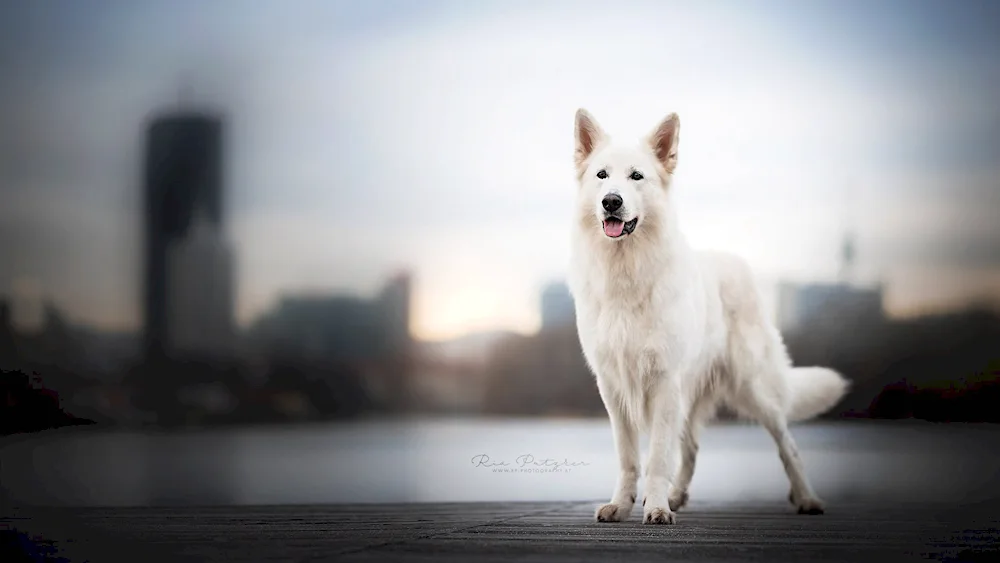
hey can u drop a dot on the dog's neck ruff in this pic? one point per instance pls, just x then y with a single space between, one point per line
630 268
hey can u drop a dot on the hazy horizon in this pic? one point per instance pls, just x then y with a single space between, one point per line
437 137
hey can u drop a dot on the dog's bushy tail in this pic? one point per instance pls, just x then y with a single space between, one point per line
813 391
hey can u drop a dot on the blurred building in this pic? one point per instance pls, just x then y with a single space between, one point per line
58 343
9 358
200 291
827 305
845 305
342 338
108 354
187 267
450 375
558 309
336 328
545 373
395 306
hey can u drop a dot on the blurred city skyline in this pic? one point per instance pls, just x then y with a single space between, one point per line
437 137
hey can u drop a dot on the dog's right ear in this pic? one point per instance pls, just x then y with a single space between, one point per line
663 140
588 136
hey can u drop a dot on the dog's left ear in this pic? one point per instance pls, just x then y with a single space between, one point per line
664 139
588 136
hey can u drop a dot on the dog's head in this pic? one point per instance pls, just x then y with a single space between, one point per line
623 188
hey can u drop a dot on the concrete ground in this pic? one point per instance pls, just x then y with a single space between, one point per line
521 532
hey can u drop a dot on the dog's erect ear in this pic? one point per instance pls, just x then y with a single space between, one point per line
663 140
588 135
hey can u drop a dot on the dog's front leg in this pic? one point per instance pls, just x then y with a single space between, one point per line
626 437
666 418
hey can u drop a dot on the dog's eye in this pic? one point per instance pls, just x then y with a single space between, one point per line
636 176
602 174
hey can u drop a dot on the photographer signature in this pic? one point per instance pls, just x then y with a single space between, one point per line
526 460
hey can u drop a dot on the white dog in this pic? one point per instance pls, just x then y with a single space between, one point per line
670 333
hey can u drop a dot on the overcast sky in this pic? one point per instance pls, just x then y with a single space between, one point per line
437 136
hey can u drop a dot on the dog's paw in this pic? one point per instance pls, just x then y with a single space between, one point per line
678 500
659 516
811 506
612 512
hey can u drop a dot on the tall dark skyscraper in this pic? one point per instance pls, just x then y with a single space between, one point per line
183 179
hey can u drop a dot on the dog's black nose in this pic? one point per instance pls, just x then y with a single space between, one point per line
611 202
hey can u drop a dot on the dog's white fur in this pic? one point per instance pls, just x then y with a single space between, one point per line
671 333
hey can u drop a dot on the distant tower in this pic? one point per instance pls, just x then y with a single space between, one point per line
9 358
395 301
558 308
847 253
848 244
183 173
200 291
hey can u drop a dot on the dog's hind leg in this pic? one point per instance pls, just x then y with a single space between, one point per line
689 453
768 411
626 436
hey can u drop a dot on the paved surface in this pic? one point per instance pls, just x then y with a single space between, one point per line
513 532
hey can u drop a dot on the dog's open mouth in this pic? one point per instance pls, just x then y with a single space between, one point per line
615 227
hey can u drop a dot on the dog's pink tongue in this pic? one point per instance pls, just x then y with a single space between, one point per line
613 228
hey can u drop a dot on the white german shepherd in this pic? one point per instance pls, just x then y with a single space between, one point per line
671 333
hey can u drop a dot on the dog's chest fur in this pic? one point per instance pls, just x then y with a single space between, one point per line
629 318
